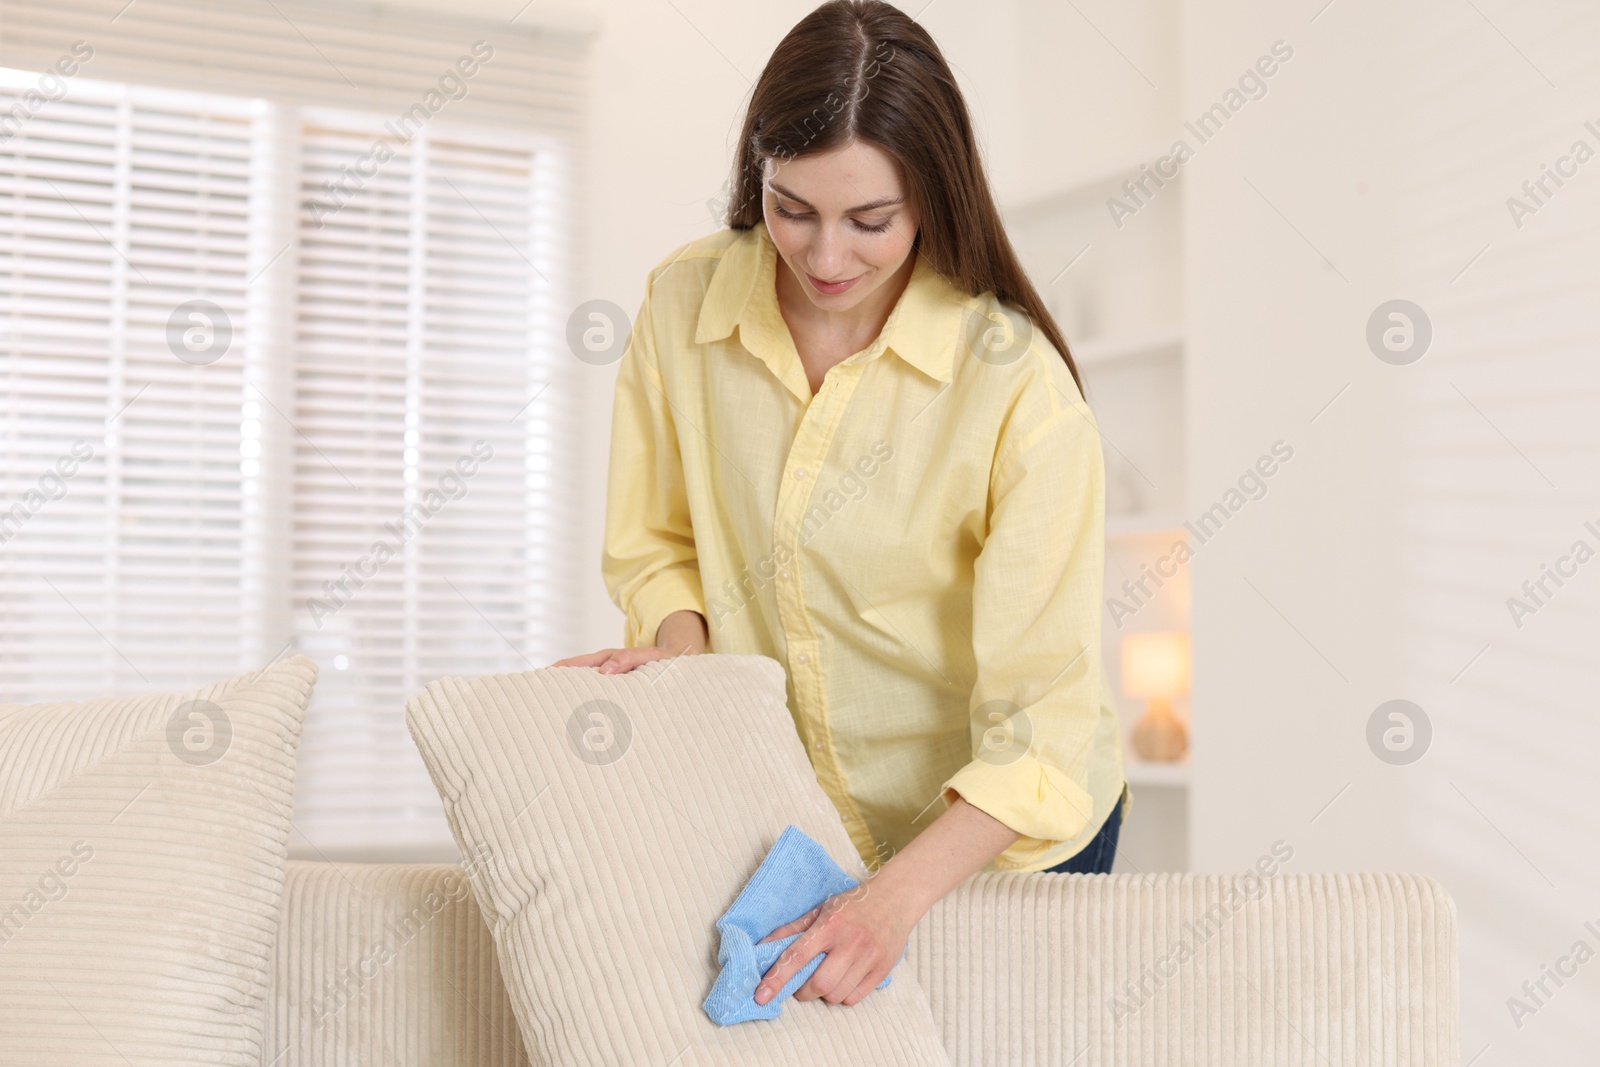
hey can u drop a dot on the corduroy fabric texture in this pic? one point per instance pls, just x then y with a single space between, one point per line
616 817
388 965
142 851
1166 970
1019 966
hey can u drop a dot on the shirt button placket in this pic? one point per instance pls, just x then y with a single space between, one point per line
810 446
818 424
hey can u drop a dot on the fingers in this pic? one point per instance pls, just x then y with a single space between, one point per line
589 659
850 956
844 956
855 976
797 926
865 986
827 981
611 660
850 967
795 957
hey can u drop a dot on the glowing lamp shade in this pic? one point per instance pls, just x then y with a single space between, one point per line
1155 668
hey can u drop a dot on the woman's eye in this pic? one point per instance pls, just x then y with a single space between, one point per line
863 227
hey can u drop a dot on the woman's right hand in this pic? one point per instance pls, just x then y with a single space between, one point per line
681 633
616 660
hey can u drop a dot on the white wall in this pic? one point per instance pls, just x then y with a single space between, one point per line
1287 252
1380 564
1497 478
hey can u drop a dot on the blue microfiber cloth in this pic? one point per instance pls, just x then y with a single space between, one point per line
797 875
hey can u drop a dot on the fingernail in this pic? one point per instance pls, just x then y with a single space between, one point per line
761 994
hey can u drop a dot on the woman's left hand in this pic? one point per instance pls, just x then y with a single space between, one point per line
863 931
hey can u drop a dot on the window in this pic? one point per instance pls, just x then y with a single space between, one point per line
274 378
418 481
120 491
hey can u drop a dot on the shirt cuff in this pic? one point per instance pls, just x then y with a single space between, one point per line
1040 802
669 590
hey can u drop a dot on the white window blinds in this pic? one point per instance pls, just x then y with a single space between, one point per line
120 494
420 483
351 449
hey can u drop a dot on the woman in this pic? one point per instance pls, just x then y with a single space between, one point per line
849 436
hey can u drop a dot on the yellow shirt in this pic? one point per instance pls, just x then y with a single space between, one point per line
921 545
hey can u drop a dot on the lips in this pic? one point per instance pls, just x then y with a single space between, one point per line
831 288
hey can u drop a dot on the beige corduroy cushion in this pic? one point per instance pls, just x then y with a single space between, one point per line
142 851
1176 970
387 965
616 818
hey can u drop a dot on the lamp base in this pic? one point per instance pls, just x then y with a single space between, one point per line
1158 736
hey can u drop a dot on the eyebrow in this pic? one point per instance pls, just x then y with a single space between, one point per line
884 202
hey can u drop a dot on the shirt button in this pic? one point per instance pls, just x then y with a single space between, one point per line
783 574
800 472
802 657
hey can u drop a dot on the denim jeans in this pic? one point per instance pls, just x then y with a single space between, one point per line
1098 854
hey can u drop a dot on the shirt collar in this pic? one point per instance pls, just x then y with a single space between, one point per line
922 329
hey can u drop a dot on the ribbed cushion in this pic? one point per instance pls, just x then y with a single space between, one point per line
1295 969
142 851
386 965
619 816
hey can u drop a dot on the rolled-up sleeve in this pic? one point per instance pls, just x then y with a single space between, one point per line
1035 703
648 558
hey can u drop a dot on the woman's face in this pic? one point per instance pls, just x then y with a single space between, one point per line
839 217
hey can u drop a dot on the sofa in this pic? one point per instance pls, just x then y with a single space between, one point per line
392 964
148 913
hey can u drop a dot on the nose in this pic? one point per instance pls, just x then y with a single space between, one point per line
829 255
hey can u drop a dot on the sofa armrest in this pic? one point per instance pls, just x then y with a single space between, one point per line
1186 969
386 964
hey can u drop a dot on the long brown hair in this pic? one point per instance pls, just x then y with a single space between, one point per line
864 70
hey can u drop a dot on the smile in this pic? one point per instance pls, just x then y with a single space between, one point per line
832 288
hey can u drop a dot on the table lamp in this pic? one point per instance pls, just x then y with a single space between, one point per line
1155 667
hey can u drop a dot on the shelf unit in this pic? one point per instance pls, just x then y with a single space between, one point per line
1113 280
1141 773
